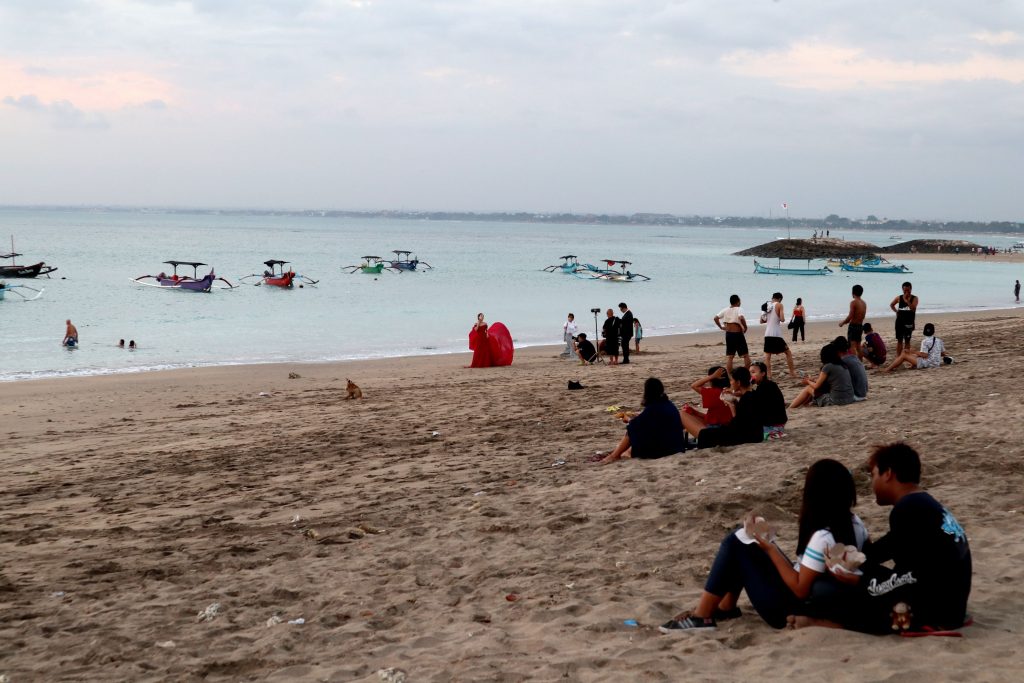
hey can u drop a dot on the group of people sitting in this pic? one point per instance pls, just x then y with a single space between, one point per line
747 408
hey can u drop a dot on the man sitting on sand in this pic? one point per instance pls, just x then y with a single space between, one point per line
930 356
656 432
931 572
731 320
874 347
858 375
585 350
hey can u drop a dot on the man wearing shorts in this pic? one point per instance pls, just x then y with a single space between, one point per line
905 308
731 320
774 341
855 333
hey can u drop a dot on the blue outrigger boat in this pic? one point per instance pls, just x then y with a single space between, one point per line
402 261
879 268
569 265
761 269
590 271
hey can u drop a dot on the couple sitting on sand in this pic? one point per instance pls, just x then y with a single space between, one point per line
746 415
841 381
926 591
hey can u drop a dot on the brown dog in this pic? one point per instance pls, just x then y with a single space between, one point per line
352 390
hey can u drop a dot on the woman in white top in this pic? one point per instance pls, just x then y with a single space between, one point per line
776 587
931 355
774 340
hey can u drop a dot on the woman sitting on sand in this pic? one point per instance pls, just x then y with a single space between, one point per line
933 350
833 387
776 587
655 432
746 425
710 390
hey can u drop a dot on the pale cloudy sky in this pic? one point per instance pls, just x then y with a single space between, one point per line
910 109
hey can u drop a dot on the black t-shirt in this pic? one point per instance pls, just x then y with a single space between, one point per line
610 329
927 542
746 427
587 349
626 325
769 403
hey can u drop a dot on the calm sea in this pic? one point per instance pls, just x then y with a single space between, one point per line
490 267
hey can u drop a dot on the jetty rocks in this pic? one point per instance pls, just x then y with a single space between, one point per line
826 248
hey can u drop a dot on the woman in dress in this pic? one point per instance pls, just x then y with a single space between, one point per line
480 343
776 587
610 332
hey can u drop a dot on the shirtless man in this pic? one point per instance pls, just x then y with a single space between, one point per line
855 333
735 327
70 335
905 308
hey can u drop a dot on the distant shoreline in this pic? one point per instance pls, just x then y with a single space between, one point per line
832 222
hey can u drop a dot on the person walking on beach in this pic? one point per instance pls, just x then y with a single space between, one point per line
797 322
569 331
774 343
858 309
731 320
70 335
905 307
625 330
1016 291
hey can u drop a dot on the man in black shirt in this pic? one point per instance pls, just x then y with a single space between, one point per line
625 330
585 349
928 547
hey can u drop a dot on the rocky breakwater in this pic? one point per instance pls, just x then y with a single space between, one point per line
811 249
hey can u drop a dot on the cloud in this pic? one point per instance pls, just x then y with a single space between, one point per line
61 113
821 66
996 39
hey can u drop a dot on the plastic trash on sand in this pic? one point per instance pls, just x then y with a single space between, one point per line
210 613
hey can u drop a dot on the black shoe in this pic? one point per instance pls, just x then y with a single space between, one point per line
625 362
688 624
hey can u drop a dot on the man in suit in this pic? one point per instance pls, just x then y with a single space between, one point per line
625 330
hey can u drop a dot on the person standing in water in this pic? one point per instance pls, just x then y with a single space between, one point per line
70 335
1016 291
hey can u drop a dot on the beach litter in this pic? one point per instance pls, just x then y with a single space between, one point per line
631 622
512 597
294 375
435 434
392 675
274 621
263 394
166 644
558 463
210 613
296 519
58 594
296 622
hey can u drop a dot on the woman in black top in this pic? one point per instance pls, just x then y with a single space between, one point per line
610 332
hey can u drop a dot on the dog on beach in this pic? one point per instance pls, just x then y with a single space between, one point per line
352 390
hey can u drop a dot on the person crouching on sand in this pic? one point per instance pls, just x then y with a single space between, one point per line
656 432
776 587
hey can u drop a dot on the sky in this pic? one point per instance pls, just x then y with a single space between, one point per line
910 109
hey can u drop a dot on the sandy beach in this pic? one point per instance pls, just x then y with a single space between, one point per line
448 525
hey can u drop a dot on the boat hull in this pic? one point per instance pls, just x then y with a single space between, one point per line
35 270
770 270
189 285
372 270
283 281
875 269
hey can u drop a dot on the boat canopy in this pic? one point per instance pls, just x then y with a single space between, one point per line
612 262
274 262
11 255
368 258
568 256
184 263
397 251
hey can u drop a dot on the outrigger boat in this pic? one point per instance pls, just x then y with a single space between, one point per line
192 283
569 265
276 276
762 269
621 275
403 262
371 265
14 270
13 289
877 268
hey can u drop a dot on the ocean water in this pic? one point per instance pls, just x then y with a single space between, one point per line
494 268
